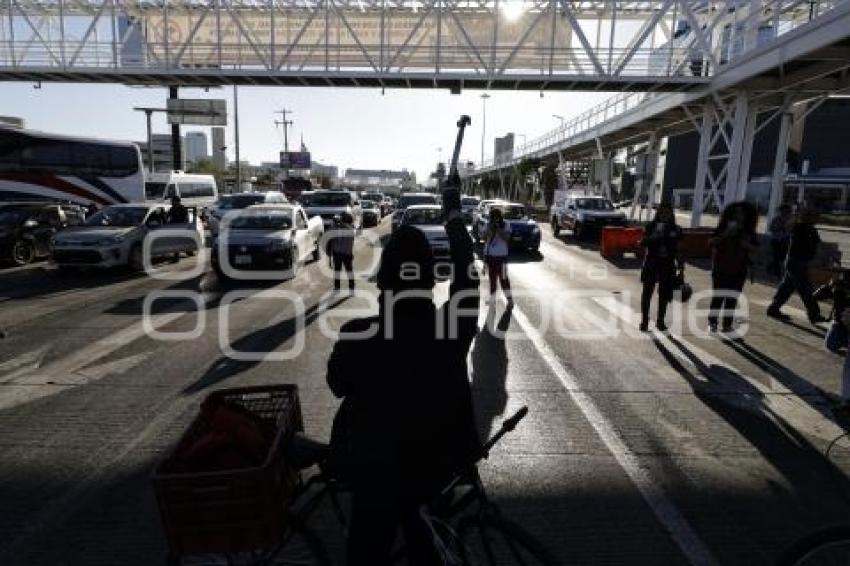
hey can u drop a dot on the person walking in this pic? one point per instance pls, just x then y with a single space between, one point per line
801 251
342 250
661 258
838 291
733 241
496 250
780 237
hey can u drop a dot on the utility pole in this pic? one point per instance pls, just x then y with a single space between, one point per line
484 98
236 127
285 123
148 112
176 142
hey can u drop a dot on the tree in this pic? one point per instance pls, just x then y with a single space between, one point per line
204 167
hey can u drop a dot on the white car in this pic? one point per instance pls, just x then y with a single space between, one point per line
114 236
268 237
238 201
581 214
410 199
328 205
428 219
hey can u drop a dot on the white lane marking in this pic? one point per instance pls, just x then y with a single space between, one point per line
680 530
779 399
25 362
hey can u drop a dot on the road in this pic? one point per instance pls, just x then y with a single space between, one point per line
638 448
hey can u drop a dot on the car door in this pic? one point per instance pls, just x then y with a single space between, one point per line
302 235
47 223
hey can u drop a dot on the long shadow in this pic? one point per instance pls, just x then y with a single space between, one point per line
40 281
258 342
525 257
734 399
796 383
490 371
803 328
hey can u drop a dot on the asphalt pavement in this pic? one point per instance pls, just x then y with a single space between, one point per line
638 448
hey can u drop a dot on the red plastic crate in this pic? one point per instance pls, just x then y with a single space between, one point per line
232 510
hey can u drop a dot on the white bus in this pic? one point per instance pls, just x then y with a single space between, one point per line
194 190
40 166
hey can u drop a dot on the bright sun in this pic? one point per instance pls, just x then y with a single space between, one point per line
512 9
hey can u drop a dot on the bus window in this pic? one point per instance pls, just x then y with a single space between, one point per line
90 159
204 190
10 152
123 161
54 156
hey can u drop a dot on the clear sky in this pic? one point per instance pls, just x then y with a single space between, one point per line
350 127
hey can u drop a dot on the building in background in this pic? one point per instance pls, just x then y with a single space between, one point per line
13 121
319 170
504 148
196 147
219 158
162 153
385 181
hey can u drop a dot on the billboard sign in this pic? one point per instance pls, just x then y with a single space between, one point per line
198 112
294 159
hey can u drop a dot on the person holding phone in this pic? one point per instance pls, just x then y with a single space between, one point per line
661 244
496 254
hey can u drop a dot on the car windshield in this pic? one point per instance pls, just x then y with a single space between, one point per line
123 216
468 201
372 198
427 216
411 200
263 220
154 191
368 205
512 212
594 204
235 202
12 215
330 199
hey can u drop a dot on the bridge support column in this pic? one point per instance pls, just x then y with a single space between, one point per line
739 149
777 181
706 127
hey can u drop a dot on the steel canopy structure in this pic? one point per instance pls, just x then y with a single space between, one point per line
785 78
658 45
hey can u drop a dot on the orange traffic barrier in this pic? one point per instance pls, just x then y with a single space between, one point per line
694 243
617 240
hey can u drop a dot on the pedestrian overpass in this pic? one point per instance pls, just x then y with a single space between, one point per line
610 45
782 76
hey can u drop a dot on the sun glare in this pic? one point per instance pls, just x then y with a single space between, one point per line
512 9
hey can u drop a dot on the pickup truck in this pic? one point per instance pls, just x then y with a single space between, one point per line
272 238
328 205
582 214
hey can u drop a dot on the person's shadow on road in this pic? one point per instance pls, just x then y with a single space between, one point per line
490 371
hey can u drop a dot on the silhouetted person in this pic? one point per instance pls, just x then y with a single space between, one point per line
801 251
496 249
178 214
780 237
838 291
733 241
342 250
407 422
661 243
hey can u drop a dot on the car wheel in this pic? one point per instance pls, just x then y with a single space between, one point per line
556 228
23 252
135 260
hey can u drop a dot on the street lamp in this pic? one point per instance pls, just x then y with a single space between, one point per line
484 98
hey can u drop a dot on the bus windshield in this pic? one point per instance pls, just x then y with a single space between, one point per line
119 216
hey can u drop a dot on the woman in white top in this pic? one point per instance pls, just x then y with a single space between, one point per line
496 253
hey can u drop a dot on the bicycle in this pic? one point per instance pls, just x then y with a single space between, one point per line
468 527
825 547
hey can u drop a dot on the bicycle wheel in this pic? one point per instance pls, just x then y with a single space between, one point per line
494 541
827 547
300 548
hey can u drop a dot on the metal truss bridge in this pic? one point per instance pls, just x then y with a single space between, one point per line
613 45
784 76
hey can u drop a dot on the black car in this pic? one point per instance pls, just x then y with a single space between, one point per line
27 229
